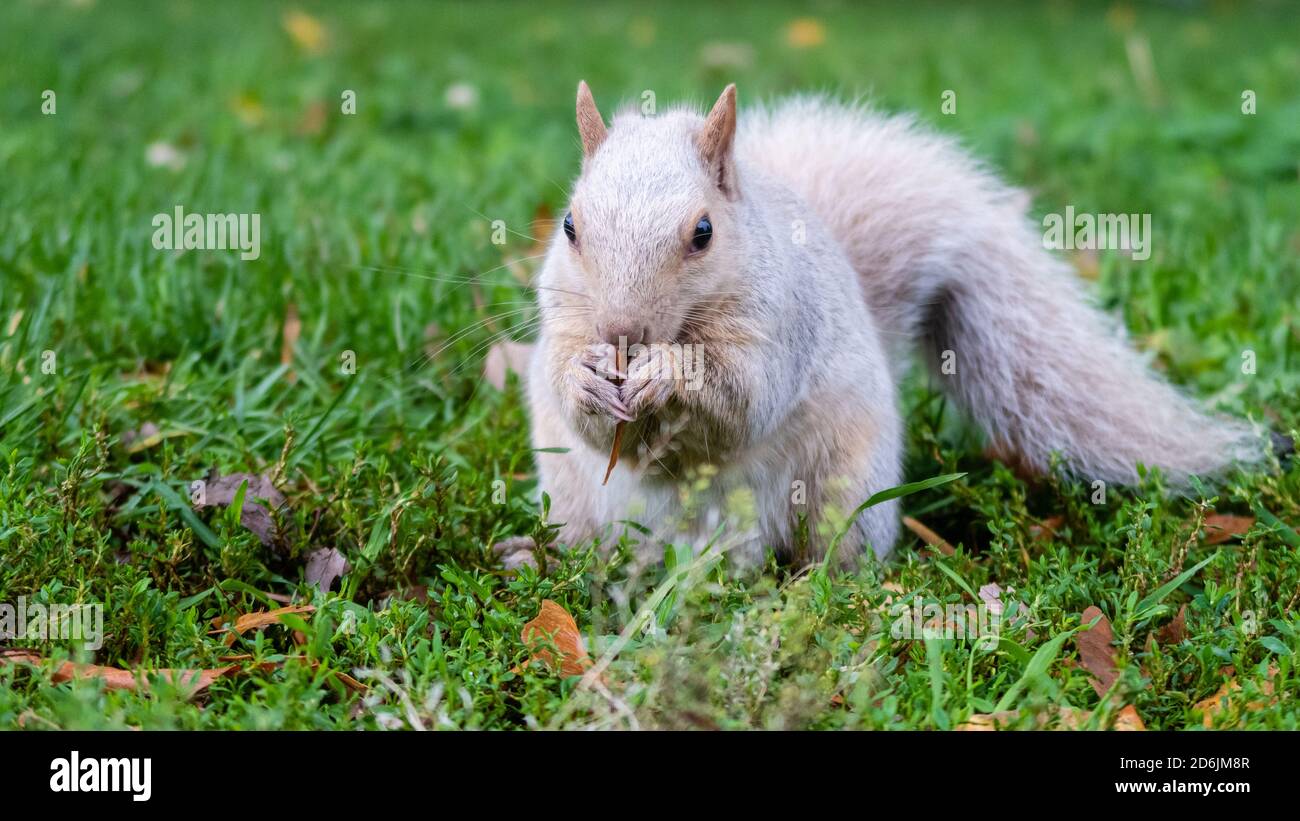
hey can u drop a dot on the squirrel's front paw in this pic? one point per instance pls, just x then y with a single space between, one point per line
589 376
651 380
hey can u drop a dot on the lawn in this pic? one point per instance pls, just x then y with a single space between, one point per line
345 366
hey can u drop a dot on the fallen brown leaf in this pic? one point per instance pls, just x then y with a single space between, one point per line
928 536
1176 630
1068 718
1213 706
1220 527
554 626
219 491
991 595
116 678
1128 719
1095 651
255 621
324 565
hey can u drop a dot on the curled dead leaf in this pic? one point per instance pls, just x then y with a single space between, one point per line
614 449
116 678
255 621
555 629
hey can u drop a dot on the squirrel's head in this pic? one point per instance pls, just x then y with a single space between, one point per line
651 230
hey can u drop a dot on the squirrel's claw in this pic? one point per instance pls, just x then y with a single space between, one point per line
593 392
650 382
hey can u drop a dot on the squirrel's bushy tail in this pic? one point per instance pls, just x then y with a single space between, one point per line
1042 373
947 255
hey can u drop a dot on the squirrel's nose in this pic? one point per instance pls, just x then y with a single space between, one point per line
625 333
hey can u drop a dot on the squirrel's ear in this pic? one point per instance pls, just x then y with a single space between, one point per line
591 126
717 138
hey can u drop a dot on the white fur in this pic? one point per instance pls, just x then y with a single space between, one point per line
908 242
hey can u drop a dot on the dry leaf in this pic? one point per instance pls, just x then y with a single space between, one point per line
1220 527
17 655
805 32
1068 718
928 536
506 356
1128 719
1095 651
991 595
556 628
324 565
1212 706
1097 656
1176 630
118 679
256 621
115 678
614 449
219 491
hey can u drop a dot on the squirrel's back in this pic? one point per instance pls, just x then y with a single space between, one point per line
883 186
946 255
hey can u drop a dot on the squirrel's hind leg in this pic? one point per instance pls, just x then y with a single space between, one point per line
840 468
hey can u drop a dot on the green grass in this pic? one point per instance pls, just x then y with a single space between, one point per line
372 225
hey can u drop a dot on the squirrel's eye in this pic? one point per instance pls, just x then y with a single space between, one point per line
569 230
703 233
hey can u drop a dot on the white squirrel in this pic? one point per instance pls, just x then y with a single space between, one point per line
801 254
